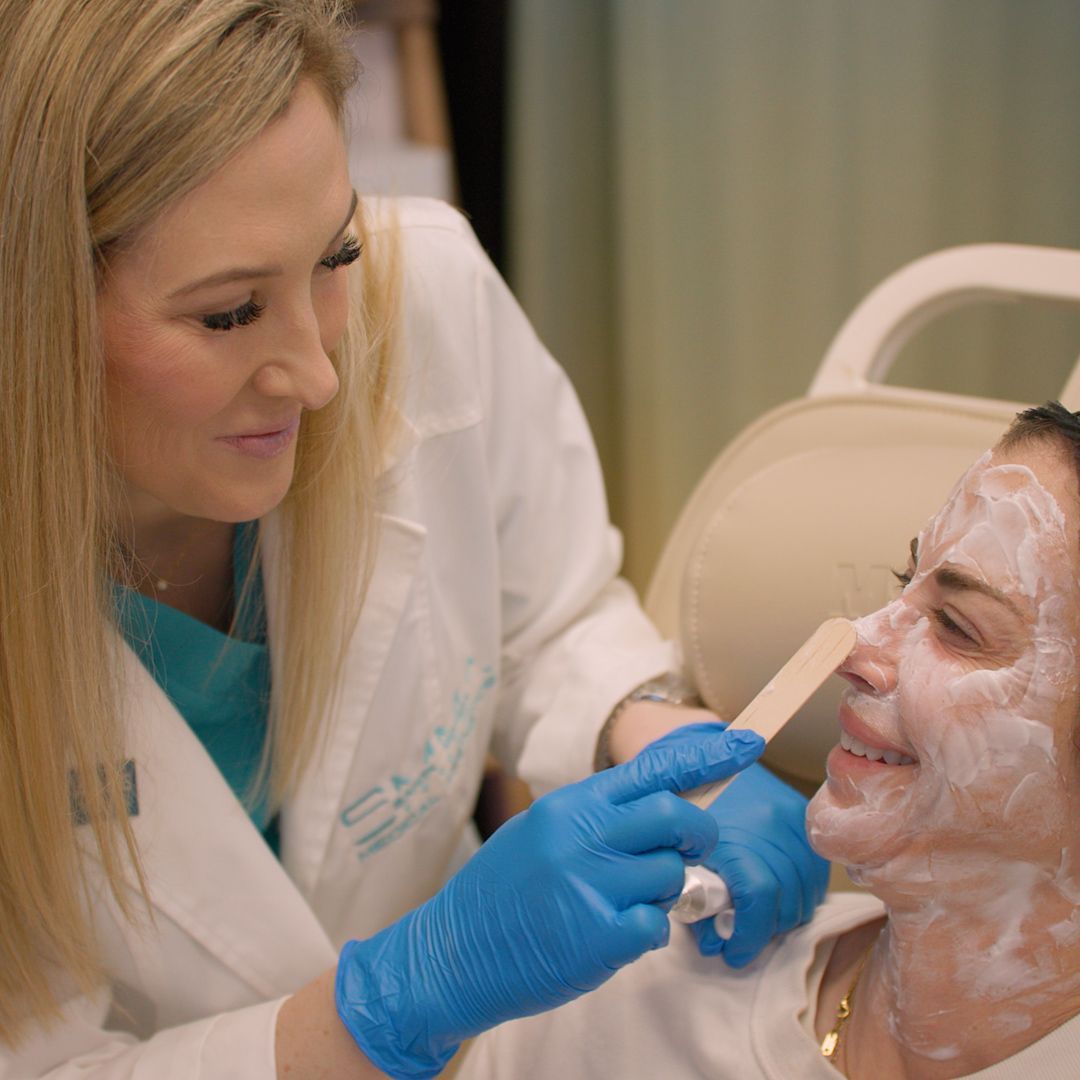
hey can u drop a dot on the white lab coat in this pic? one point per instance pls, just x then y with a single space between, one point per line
494 620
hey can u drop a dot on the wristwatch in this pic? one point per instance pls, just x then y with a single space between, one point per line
670 688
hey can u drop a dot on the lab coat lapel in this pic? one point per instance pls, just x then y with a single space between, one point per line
308 819
209 869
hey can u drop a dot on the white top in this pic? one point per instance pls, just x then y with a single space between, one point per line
494 621
679 1016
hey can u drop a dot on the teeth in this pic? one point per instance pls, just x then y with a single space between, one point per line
872 753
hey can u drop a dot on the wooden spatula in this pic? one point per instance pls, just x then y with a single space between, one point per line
788 691
704 892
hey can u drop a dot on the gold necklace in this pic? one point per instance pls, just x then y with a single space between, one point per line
158 582
831 1043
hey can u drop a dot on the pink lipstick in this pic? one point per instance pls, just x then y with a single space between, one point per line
264 444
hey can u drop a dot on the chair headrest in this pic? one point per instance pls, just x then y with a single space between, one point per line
803 517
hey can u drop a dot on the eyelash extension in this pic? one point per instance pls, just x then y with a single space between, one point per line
905 576
248 312
348 253
226 320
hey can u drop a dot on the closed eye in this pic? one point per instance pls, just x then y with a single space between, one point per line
348 253
952 628
246 313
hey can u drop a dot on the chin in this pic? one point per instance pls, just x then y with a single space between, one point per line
246 499
248 508
843 830
822 818
237 503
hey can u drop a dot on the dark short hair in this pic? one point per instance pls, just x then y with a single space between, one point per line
1049 421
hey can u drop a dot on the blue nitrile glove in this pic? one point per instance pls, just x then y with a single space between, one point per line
775 878
554 903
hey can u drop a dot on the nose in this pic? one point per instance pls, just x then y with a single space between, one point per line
872 665
300 369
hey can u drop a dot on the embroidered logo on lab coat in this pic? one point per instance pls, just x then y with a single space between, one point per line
78 800
385 812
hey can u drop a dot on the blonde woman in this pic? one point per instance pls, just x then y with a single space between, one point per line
284 555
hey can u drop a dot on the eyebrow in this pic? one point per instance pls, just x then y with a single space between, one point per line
246 273
947 577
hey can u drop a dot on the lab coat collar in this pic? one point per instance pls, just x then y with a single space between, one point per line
308 819
439 403
403 438
209 870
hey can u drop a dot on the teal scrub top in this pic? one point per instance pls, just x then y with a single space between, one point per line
220 684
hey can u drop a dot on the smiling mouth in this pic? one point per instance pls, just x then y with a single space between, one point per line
268 444
873 753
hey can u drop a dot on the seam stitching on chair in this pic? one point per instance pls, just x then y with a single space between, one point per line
702 673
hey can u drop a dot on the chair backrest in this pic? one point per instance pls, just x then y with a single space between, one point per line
808 511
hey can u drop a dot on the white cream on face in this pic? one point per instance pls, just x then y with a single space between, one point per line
984 820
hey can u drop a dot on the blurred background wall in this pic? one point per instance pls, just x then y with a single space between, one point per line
700 190
689 196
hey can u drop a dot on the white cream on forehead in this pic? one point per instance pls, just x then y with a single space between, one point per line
988 753
1010 518
1015 538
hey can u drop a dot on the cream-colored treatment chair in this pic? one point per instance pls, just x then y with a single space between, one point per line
808 511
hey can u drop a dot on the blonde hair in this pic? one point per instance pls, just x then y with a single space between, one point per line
109 111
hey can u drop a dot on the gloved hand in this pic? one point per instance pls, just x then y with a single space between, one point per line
554 903
775 878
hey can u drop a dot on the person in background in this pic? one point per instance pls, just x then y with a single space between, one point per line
299 522
953 796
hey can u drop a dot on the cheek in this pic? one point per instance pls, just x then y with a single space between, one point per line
941 710
157 383
985 738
